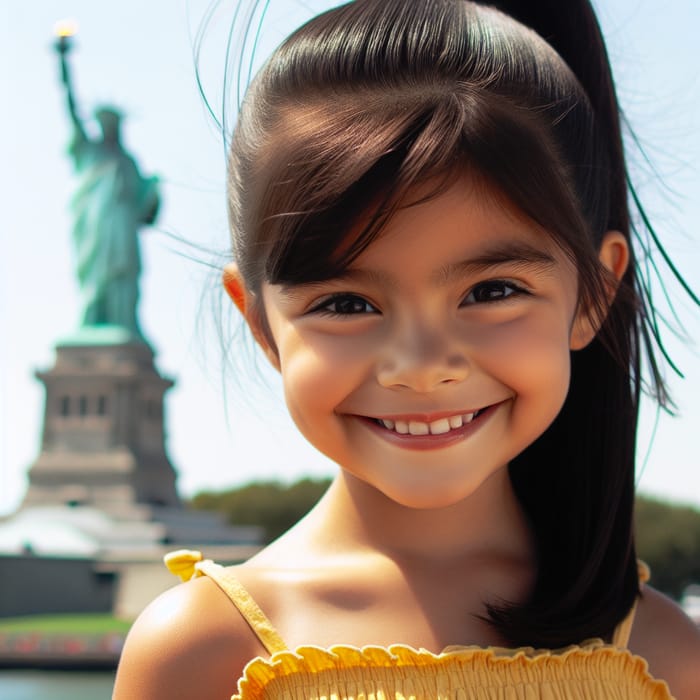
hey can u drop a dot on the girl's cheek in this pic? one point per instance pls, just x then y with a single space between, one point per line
321 363
525 354
327 349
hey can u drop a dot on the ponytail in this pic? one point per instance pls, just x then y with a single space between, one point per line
581 504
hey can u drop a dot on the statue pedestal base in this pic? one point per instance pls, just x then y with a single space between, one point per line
103 442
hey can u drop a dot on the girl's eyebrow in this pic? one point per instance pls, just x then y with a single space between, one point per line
519 254
516 253
351 274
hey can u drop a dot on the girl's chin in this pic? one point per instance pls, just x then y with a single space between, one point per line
425 497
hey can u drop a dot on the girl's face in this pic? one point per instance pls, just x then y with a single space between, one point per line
440 354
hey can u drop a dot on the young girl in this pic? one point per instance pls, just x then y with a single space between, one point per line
428 205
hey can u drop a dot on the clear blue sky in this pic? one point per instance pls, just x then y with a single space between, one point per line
227 429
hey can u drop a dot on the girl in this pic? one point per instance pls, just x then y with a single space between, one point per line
428 205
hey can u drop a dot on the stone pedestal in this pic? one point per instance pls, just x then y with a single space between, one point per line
102 506
103 442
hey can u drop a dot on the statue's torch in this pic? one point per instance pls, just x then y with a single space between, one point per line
64 31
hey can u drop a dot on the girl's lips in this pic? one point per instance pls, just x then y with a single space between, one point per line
441 430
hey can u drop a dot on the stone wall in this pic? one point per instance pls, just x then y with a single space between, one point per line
33 585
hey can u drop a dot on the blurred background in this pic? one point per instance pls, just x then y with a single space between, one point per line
227 425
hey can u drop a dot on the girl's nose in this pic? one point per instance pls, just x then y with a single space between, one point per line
422 361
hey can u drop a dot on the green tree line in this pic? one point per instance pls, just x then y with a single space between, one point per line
668 540
667 535
272 505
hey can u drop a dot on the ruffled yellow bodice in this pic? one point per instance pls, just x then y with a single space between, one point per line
592 670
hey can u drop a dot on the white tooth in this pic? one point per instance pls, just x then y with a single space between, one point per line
388 423
456 422
416 428
401 427
467 417
440 427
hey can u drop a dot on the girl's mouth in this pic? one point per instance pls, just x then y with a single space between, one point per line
409 432
441 426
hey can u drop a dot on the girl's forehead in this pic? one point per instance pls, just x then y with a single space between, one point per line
466 205
465 221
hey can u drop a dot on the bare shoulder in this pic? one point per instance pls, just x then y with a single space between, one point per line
670 642
190 642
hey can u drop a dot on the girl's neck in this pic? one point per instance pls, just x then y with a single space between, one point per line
353 515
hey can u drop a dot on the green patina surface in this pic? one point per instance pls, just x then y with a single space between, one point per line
104 334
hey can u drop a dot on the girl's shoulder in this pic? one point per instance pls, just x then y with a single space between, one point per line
189 642
669 641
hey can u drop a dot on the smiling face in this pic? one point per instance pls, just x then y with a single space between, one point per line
441 353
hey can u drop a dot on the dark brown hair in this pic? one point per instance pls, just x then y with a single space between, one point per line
370 99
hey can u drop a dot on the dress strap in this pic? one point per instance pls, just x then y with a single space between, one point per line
189 564
621 636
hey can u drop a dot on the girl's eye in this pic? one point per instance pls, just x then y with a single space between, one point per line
344 305
493 290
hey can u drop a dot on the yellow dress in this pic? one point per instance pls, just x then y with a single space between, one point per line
592 670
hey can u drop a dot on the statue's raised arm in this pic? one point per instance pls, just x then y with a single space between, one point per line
112 201
63 47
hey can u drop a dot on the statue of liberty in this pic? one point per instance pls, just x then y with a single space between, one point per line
112 201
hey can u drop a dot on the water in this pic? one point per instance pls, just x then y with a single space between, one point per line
56 685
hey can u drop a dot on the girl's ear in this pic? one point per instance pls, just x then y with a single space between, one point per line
245 302
614 255
235 288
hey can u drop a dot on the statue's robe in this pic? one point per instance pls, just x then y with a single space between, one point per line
112 201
